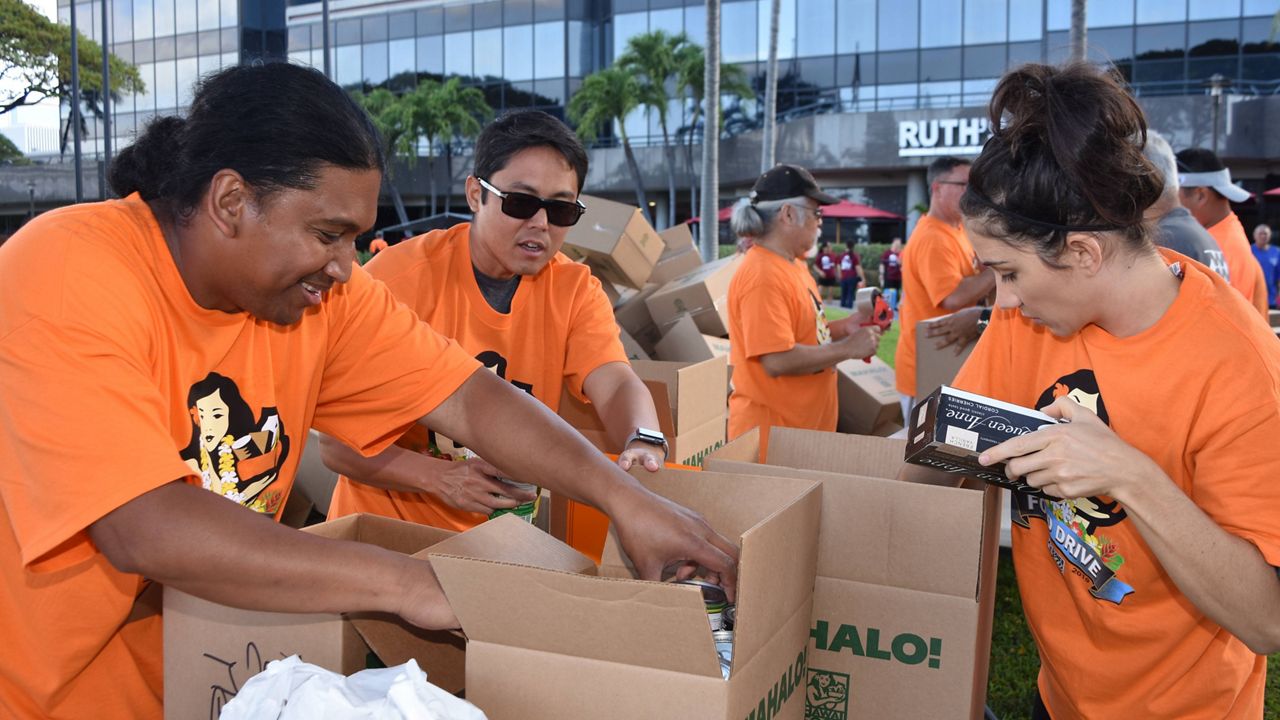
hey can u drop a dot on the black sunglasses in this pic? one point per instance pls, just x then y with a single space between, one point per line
523 206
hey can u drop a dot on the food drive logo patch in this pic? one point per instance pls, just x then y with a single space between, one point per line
1078 536
235 454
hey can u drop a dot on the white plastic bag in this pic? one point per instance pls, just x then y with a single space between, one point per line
290 689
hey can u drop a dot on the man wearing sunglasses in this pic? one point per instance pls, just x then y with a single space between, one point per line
500 287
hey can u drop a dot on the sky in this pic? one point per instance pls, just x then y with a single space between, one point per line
46 113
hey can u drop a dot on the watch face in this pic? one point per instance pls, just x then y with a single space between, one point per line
652 436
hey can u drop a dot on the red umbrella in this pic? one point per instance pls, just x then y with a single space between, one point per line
1273 192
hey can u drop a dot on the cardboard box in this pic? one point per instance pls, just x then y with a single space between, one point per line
951 428
934 367
906 575
681 256
550 639
616 241
631 346
684 342
210 650
703 293
632 315
692 404
868 396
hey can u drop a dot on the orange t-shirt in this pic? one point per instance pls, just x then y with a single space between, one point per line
560 329
113 382
1198 393
1245 272
774 306
937 257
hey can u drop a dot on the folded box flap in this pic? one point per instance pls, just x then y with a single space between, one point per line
390 533
509 539
836 452
647 624
892 532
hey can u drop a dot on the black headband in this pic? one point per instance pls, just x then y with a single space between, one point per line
1043 224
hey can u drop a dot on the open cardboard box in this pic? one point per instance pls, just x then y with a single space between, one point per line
679 255
691 400
550 636
703 293
211 650
632 315
616 240
685 342
868 397
902 612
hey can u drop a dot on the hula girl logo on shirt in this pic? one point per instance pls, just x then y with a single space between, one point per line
822 329
1077 528
235 455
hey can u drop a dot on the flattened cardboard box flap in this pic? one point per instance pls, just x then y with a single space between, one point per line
390 533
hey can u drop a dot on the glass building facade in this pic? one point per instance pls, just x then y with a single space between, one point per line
834 55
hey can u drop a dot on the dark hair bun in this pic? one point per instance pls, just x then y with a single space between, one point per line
1065 154
143 166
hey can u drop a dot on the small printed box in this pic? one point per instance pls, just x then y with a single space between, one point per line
950 428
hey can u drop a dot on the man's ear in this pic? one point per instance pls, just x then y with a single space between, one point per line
473 191
227 201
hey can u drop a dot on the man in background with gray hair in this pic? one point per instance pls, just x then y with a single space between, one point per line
1176 228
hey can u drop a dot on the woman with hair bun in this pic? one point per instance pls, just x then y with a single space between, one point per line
1148 569
184 339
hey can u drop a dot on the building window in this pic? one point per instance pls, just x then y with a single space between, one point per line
855 26
941 23
984 21
897 24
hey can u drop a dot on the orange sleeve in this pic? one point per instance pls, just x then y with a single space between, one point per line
593 336
82 422
1260 294
385 369
941 266
768 316
1234 474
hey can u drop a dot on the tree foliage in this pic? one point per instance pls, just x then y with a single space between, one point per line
35 61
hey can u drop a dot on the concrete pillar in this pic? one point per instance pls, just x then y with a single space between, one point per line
917 194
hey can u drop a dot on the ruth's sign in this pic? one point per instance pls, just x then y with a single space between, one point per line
945 136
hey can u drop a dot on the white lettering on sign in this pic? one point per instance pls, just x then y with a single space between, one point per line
944 136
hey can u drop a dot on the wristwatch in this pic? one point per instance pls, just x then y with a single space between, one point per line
984 319
649 437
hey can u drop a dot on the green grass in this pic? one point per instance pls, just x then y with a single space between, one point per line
1011 679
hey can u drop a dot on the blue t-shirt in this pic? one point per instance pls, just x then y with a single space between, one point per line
1269 259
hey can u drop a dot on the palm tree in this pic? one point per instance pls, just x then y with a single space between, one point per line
606 96
445 111
653 58
768 146
691 76
709 232
1078 37
393 117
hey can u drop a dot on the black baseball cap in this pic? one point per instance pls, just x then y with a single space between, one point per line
789 181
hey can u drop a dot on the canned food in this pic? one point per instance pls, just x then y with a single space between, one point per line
527 511
715 600
724 648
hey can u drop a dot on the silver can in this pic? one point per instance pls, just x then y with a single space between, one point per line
724 648
714 598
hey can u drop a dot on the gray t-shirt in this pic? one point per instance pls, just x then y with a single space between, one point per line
498 293
1179 231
